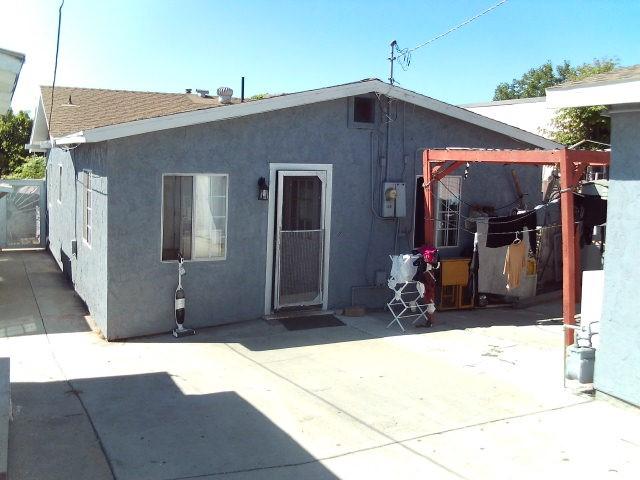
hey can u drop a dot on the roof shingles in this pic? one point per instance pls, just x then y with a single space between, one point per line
78 109
625 74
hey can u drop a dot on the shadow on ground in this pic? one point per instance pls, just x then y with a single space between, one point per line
260 335
36 297
149 429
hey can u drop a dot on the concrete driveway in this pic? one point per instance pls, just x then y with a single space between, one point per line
480 396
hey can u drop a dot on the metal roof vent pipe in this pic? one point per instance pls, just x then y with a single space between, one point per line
225 94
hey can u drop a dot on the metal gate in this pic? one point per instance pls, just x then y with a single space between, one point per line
22 213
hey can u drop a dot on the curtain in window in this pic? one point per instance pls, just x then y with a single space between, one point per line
210 209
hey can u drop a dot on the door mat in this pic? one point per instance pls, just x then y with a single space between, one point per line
309 322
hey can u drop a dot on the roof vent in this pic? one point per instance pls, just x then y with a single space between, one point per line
225 94
202 93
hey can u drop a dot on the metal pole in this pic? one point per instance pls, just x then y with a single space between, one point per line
242 90
392 59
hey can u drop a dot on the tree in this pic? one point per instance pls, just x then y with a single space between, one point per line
15 131
533 82
573 125
34 166
570 125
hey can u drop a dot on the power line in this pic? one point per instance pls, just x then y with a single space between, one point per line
453 29
404 54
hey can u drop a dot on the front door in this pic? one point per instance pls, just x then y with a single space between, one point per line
300 238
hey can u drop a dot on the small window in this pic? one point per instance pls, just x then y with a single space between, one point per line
60 183
194 217
448 211
364 110
87 216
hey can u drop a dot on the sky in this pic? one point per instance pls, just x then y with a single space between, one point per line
288 46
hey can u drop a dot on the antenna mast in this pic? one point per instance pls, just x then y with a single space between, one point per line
392 58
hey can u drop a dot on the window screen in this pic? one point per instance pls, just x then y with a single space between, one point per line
194 217
448 204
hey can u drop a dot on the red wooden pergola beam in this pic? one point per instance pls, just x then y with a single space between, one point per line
440 171
588 157
539 157
572 165
536 157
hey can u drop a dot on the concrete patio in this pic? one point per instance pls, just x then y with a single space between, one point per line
479 396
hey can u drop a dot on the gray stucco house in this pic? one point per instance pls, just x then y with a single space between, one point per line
617 367
134 177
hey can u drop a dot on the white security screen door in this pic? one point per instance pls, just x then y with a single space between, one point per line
300 234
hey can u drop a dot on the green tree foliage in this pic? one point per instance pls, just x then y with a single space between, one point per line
34 166
533 82
15 130
570 125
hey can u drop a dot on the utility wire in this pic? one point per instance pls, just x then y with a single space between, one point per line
404 55
55 67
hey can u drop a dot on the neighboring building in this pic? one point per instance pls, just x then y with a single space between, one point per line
530 114
618 356
133 177
10 66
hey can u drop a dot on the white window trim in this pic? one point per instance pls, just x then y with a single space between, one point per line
59 199
226 217
438 211
87 191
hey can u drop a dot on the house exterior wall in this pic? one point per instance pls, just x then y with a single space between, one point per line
88 269
618 358
530 114
141 287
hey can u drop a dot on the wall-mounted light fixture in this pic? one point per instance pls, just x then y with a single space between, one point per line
263 189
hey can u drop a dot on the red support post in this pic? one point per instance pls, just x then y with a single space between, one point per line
568 246
427 179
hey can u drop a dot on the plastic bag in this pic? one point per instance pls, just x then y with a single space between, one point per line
402 269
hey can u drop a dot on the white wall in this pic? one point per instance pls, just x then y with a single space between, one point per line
529 114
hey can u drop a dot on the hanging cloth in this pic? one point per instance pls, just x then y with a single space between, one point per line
592 210
501 231
514 263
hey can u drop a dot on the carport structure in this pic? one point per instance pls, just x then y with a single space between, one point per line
437 163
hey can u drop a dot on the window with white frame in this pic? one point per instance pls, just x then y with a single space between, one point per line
194 216
448 210
60 183
87 210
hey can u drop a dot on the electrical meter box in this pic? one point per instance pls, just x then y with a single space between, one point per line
394 199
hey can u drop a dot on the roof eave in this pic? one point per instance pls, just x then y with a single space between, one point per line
226 112
585 95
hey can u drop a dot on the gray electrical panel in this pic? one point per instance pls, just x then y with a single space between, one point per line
394 199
